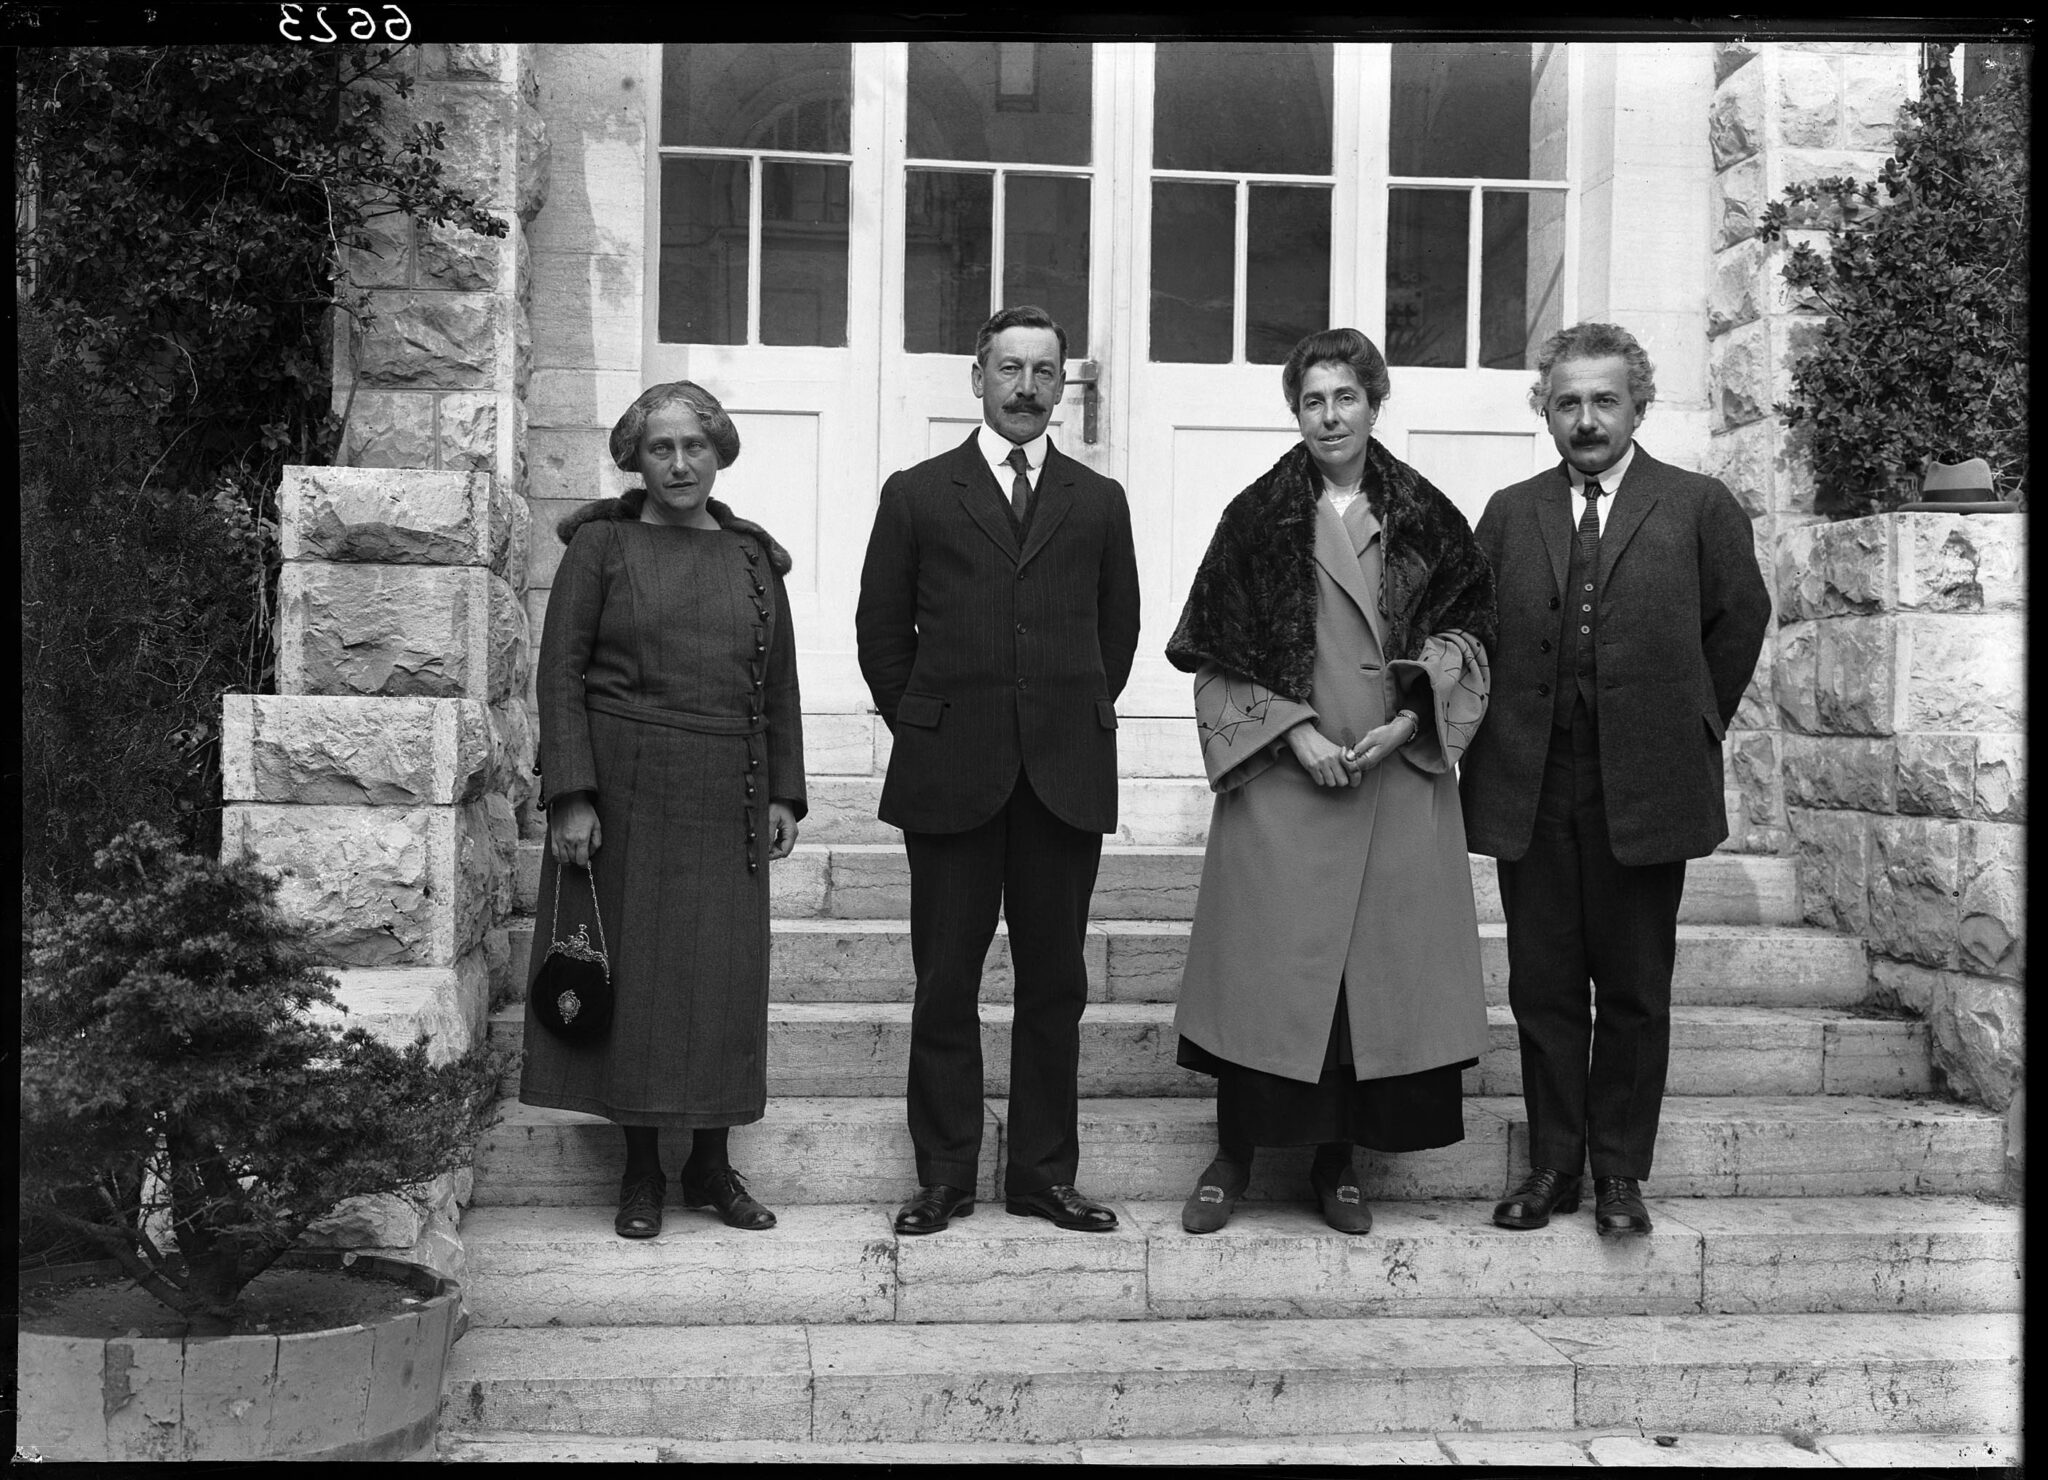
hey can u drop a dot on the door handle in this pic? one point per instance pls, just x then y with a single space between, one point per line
1087 376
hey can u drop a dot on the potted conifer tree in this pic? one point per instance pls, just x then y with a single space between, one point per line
189 1109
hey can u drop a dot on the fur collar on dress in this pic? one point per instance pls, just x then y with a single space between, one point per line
1252 608
626 507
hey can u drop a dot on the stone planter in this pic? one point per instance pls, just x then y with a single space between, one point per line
360 1392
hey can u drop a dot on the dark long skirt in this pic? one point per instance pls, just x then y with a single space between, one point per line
686 924
1402 1112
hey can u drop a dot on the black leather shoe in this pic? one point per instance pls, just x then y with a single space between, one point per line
1343 1204
640 1205
1066 1207
726 1191
1543 1192
1618 1207
933 1208
1210 1205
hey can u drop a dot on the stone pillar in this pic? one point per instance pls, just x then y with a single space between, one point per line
1901 682
1782 113
1882 741
385 777
382 779
440 377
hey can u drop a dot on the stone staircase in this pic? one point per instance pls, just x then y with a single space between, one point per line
1822 1263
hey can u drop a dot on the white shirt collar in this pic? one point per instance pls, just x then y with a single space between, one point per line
1610 481
995 448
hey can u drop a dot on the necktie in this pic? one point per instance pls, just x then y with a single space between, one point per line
1589 525
1020 487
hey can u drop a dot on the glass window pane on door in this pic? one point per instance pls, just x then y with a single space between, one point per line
1250 107
1010 102
803 252
1287 269
1427 254
1521 277
948 247
758 95
703 251
1194 243
1461 108
1045 250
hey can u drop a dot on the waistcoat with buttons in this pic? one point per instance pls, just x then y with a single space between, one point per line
1579 633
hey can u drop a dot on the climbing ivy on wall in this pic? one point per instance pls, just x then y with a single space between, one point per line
183 216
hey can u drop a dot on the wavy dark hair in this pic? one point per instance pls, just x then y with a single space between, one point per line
1345 347
1592 341
725 437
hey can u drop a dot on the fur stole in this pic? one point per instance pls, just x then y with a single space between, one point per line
627 507
1252 608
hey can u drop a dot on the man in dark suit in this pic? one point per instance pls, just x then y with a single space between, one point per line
997 621
1631 615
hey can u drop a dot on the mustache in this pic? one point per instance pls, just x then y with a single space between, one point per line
1588 439
1024 403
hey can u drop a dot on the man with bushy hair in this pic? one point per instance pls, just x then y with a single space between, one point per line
1632 613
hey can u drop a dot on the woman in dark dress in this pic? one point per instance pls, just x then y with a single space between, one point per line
671 746
1337 630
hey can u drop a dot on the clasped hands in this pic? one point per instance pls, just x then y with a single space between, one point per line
1331 764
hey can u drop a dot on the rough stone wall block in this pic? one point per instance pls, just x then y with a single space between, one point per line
1992 899
396 516
1795 676
396 1005
1958 674
1937 775
1854 684
369 752
1979 1031
396 630
427 339
1832 863
1915 882
384 886
1959 562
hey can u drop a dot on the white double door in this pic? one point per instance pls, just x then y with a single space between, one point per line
824 426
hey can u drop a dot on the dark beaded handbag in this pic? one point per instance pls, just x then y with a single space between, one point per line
572 991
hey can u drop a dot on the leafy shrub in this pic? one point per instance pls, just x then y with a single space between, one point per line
187 210
192 204
138 611
173 1075
1924 351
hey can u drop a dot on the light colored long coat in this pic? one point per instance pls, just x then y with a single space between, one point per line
1304 887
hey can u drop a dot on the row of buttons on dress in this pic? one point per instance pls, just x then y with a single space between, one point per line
757 735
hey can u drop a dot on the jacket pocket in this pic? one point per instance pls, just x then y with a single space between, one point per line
1714 726
1105 713
922 710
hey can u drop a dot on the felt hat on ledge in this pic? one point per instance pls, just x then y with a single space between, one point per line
1958 488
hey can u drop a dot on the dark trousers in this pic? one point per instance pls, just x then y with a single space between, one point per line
1582 927
1040 873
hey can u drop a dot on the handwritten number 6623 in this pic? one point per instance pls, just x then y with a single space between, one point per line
362 25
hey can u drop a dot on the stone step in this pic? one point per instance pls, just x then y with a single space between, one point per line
1128 1048
1169 811
1045 1382
825 1150
871 881
832 1264
1613 1446
1141 961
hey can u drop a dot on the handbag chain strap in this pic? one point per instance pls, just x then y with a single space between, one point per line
596 911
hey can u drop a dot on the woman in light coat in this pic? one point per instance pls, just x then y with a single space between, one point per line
1337 630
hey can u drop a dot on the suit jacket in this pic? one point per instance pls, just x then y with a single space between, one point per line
985 656
1683 609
